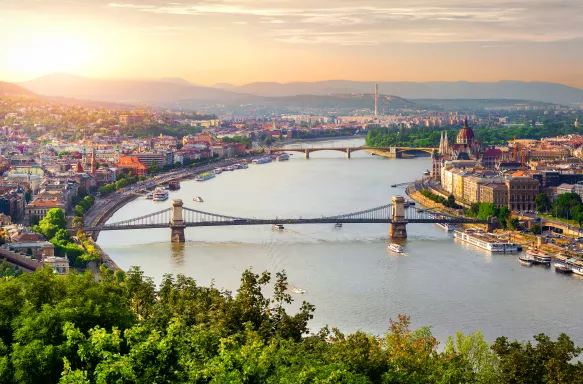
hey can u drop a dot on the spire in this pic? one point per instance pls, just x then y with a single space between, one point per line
466 121
441 143
446 144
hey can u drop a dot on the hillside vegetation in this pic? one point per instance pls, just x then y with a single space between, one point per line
121 328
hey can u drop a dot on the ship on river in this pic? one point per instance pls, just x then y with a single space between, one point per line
487 241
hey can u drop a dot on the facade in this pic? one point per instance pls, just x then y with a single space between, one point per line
133 163
494 193
522 192
147 158
59 264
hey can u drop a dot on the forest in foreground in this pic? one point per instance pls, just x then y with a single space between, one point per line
122 328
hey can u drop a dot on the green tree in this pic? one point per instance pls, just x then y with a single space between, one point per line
536 229
486 210
542 202
53 221
513 223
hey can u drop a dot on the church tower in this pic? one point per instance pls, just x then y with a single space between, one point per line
93 165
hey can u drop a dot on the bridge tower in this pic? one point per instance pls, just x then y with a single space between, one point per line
348 153
307 154
177 222
398 226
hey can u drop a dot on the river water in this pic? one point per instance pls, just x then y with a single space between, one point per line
347 273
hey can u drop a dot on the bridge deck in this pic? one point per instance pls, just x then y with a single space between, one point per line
283 222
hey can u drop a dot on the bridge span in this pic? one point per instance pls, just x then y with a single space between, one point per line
396 152
178 217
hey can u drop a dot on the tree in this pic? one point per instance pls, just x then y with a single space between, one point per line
536 229
513 223
503 215
53 221
78 222
487 210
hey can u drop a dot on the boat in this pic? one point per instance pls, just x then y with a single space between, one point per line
539 257
576 265
283 157
411 203
395 248
198 198
218 171
338 225
525 260
244 166
277 227
487 241
448 227
261 160
174 185
230 168
205 176
269 159
160 194
563 269
298 290
149 196
426 173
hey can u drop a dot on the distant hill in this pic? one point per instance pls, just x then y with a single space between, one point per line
126 91
338 101
536 91
10 89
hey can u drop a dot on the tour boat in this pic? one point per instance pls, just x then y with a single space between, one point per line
525 260
283 157
338 225
486 241
244 166
395 248
539 257
205 176
174 185
298 290
563 269
576 265
447 227
160 194
198 198
426 173
278 227
218 171
149 196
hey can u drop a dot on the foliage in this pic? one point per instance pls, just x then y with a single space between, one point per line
120 328
536 229
8 270
53 221
513 223
449 202
542 202
483 211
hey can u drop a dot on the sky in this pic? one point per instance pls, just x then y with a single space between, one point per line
243 41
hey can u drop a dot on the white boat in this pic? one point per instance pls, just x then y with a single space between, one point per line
539 257
486 241
149 196
283 157
395 248
229 168
198 198
218 171
426 173
298 290
447 227
160 194
338 225
277 227
205 176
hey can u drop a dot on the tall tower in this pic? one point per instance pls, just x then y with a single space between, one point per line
376 100
93 165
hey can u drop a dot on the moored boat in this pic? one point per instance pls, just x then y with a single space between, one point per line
160 194
525 260
539 257
198 198
277 227
563 269
487 241
174 185
283 157
218 171
338 225
205 176
395 248
149 196
426 173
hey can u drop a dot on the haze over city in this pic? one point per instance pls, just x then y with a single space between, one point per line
242 41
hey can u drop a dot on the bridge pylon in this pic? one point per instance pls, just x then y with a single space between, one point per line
307 154
177 223
398 226
348 153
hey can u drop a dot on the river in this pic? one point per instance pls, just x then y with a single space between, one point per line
347 272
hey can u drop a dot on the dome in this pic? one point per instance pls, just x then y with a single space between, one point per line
466 135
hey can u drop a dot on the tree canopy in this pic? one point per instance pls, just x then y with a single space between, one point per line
122 328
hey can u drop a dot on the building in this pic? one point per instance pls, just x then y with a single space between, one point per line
522 192
59 264
494 193
131 119
148 158
39 207
133 163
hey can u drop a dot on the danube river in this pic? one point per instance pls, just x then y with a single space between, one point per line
347 273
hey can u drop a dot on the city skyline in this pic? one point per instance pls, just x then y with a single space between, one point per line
244 41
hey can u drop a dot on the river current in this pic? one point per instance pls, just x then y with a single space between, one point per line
347 273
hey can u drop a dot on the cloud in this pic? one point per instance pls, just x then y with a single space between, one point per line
367 22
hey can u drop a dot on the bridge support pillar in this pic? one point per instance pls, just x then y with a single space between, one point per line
348 153
306 154
177 223
398 226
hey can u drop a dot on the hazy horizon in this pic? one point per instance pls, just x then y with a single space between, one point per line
244 41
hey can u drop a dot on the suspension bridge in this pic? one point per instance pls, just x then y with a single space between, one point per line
178 217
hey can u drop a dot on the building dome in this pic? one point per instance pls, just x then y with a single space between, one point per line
465 135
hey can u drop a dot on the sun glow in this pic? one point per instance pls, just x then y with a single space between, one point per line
43 54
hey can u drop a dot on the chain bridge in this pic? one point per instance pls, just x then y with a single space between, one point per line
396 152
178 217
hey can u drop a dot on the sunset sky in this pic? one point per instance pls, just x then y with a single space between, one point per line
241 41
